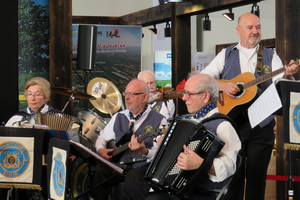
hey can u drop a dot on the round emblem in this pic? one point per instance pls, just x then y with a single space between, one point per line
59 175
296 118
267 69
14 159
157 108
148 129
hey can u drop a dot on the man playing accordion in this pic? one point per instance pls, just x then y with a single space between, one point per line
200 95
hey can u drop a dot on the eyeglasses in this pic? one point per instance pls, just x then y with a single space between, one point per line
131 94
189 94
37 94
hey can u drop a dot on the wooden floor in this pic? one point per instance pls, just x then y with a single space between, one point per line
271 184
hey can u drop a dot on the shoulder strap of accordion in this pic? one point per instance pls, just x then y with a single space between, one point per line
221 116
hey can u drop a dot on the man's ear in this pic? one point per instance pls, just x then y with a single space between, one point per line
146 97
206 97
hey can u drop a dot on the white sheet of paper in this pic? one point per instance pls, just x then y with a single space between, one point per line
266 104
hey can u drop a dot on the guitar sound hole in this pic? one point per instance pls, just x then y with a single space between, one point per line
241 92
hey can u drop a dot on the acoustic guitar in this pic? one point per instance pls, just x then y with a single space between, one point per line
248 90
121 148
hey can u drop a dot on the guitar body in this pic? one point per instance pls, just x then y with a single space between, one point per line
230 106
122 144
248 85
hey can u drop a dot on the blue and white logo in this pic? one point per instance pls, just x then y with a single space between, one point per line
296 118
14 159
59 175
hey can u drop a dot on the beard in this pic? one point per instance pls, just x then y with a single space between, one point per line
254 40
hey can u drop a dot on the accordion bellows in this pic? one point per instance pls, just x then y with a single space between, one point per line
56 121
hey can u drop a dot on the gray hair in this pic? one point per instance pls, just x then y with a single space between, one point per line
143 72
208 84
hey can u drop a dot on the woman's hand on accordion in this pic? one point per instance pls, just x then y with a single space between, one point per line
189 160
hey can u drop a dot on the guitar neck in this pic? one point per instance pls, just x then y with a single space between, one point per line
120 149
123 147
263 78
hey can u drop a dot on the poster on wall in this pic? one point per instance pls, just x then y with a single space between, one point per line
200 61
33 43
163 68
117 57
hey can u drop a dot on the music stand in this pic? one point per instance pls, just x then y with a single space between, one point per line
21 158
288 139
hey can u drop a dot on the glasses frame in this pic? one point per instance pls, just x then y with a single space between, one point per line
189 94
36 95
132 93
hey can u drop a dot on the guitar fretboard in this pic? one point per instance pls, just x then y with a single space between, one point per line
123 147
267 76
262 78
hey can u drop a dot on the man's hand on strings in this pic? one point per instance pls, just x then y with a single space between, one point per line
139 147
104 153
291 69
229 88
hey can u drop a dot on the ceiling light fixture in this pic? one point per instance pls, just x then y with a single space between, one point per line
255 9
153 30
168 30
206 23
230 15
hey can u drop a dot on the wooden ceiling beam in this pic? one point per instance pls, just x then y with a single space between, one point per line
95 20
162 13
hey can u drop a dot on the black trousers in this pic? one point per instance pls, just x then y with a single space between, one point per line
134 187
130 186
257 145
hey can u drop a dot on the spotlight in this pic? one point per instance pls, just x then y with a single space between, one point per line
153 30
255 9
206 23
168 30
230 15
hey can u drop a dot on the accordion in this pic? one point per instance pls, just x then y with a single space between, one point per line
163 172
56 121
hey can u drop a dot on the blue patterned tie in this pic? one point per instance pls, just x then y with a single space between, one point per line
204 110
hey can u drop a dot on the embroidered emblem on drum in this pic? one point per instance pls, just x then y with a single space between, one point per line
296 118
157 108
14 159
148 129
59 175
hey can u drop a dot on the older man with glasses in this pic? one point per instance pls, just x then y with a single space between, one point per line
200 95
130 124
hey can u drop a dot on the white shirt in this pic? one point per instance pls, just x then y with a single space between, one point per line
225 162
248 60
18 118
166 110
108 133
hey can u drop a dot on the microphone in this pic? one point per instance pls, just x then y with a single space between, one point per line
134 160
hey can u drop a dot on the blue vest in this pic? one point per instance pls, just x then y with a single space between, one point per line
157 106
232 64
121 127
232 69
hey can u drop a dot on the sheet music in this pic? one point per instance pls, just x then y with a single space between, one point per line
265 105
106 162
